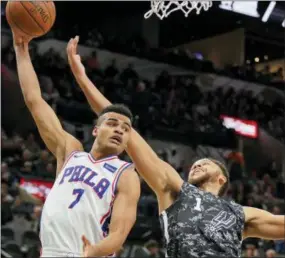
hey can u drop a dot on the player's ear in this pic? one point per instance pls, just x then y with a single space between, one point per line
222 180
95 131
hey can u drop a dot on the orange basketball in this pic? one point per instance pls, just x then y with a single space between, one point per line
33 18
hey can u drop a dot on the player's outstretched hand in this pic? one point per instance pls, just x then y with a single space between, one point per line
20 38
74 59
86 246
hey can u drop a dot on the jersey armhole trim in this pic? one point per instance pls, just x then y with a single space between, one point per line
68 158
118 175
165 226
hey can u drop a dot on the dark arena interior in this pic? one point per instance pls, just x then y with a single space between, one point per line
209 85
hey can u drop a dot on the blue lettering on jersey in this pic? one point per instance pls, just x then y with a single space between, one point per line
88 177
109 167
76 173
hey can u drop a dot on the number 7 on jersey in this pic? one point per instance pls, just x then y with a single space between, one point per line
79 192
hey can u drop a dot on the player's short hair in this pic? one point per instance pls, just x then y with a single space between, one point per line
225 172
117 108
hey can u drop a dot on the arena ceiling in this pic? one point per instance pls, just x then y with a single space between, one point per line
176 29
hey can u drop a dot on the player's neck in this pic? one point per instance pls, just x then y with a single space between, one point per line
210 189
97 153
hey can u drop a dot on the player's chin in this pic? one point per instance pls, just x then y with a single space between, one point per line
196 180
115 147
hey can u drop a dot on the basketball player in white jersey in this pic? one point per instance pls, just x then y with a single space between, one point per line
95 194
195 220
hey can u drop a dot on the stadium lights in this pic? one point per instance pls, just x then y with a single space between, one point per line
268 11
249 8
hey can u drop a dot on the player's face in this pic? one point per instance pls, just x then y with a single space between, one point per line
113 132
204 171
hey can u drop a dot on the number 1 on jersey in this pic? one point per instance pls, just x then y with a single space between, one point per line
79 192
198 204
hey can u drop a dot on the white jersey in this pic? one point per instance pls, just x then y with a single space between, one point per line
79 203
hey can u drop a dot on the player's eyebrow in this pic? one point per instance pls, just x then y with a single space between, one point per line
112 119
127 124
117 120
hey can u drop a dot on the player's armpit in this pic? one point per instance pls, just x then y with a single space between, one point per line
124 214
263 224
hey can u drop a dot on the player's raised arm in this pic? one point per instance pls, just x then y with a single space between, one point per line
59 142
124 215
263 224
158 174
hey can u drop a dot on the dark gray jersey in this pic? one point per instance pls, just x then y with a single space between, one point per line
199 224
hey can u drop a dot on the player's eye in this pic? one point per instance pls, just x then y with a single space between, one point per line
112 123
126 129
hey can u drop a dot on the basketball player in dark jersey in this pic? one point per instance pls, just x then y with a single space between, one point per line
196 221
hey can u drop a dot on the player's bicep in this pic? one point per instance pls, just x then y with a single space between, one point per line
173 180
263 224
125 205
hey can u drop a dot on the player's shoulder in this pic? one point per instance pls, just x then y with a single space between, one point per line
234 206
191 190
231 202
129 180
124 169
129 171
79 154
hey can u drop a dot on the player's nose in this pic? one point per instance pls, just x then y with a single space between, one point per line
119 131
197 166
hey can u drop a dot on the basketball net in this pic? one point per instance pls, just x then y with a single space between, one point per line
163 8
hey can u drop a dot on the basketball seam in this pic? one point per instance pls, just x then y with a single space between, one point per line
32 17
52 13
47 11
15 23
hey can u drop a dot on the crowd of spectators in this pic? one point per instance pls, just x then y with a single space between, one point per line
172 102
138 46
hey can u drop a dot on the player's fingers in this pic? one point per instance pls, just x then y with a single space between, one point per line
85 240
72 46
76 40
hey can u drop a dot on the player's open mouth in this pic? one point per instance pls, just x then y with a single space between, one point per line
197 171
116 139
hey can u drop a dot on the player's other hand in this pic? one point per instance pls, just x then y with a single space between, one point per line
86 247
20 39
74 59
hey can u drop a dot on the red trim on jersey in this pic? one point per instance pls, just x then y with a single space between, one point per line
100 160
120 170
105 216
